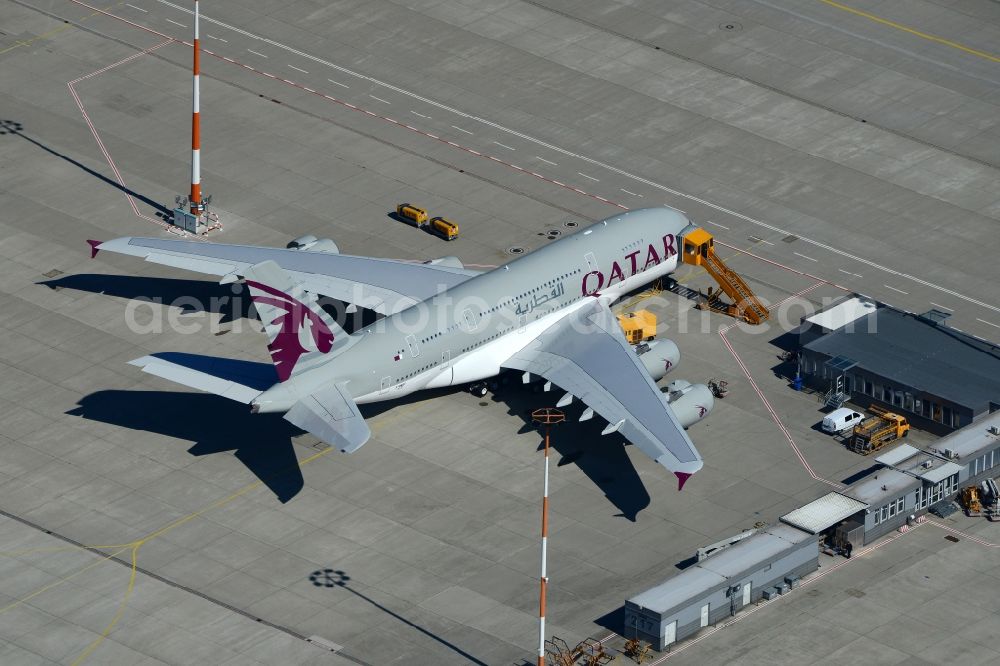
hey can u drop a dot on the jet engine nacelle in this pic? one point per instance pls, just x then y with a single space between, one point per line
659 358
448 262
310 243
689 402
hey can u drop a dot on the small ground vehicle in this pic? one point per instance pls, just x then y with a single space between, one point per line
876 431
638 326
841 419
410 213
446 229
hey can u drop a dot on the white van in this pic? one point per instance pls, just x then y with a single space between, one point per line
841 419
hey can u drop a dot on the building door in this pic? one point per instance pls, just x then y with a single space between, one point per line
670 633
746 593
704 615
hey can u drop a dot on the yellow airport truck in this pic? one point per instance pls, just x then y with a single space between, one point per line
446 229
410 213
878 430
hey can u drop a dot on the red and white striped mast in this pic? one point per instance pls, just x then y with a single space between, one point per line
197 205
547 417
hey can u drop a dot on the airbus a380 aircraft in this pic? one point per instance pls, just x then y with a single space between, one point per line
546 313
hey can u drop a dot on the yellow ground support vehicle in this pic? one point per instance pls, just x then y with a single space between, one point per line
969 498
638 326
412 214
446 229
876 431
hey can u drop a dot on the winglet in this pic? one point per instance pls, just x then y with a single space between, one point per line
95 245
682 478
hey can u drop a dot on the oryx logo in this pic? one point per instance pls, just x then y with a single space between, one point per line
300 329
701 411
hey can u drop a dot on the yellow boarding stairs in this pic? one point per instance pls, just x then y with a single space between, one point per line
699 250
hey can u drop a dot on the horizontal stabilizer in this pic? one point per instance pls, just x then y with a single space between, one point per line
234 379
331 415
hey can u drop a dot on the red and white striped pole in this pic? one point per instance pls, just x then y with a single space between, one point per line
548 417
197 205
545 538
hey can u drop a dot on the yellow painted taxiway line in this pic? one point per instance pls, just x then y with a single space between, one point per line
923 35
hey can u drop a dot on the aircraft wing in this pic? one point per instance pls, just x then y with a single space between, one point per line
586 354
383 285
332 415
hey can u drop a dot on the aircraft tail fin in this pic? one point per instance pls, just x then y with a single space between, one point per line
299 332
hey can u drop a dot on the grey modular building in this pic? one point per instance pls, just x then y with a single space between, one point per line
906 484
860 350
720 586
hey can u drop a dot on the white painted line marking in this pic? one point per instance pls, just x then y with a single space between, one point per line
298 69
986 322
590 160
596 180
545 160
176 23
894 289
217 38
503 145
849 273
256 53
760 240
461 130
419 114
804 256
144 11
338 83
717 224
683 212
958 329
379 99
943 307
632 193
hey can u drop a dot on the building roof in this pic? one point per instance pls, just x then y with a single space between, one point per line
824 512
936 474
920 354
741 557
841 314
714 571
897 455
686 585
887 484
972 438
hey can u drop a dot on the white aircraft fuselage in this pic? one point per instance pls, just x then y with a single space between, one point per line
465 333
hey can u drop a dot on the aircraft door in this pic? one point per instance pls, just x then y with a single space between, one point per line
470 320
449 369
384 386
591 261
411 342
